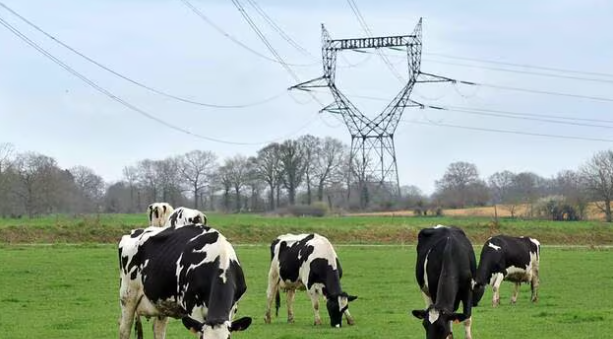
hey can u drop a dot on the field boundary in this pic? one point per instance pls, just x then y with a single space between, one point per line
561 246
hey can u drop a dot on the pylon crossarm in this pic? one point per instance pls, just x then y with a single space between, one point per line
428 77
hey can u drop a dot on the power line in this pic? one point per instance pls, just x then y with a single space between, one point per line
509 132
268 45
104 91
532 116
235 40
536 91
278 29
358 15
521 72
510 116
137 83
545 68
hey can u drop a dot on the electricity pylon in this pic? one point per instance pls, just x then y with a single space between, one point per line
373 154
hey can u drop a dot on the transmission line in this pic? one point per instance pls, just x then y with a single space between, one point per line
268 45
137 83
278 29
556 136
235 40
358 15
116 98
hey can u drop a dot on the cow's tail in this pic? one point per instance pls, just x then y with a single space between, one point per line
277 303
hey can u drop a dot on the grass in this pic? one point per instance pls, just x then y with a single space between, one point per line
250 228
62 291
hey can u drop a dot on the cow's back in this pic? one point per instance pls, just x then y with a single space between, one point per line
516 249
431 245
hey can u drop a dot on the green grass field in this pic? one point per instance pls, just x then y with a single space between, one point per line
62 291
250 228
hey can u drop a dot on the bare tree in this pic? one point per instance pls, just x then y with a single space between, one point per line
196 168
329 161
168 178
268 169
89 187
292 164
597 175
501 185
130 175
237 171
311 148
6 161
461 186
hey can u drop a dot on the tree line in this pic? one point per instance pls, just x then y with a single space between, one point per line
306 171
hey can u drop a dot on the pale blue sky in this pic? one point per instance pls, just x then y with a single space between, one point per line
163 44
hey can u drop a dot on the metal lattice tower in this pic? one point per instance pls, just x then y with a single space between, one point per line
373 154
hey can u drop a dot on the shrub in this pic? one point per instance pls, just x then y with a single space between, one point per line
317 209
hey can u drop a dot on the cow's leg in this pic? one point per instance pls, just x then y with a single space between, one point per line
496 289
534 284
271 291
515 292
467 328
128 310
291 295
159 327
314 295
350 320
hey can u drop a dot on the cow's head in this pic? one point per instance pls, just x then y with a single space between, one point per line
337 305
478 291
216 331
158 212
437 322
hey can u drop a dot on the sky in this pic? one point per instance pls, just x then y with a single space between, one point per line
166 46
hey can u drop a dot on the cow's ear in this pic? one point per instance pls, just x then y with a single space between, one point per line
352 297
240 324
164 208
192 325
419 314
456 317
205 220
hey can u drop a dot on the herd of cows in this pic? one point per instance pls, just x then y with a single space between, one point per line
179 267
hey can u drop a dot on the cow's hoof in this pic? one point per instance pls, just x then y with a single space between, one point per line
350 322
513 302
290 320
267 320
317 322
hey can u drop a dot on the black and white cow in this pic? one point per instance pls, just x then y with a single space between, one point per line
445 268
307 261
514 259
190 272
185 216
158 213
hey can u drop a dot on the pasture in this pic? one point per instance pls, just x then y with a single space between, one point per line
62 291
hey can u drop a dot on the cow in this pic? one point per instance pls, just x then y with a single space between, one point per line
185 216
158 213
514 259
190 273
445 268
307 262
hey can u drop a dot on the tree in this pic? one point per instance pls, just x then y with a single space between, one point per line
236 170
196 169
168 179
461 186
501 186
89 188
597 175
6 162
329 162
311 149
293 165
131 177
267 167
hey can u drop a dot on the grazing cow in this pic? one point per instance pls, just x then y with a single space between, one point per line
307 261
190 272
514 259
446 265
185 216
158 213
